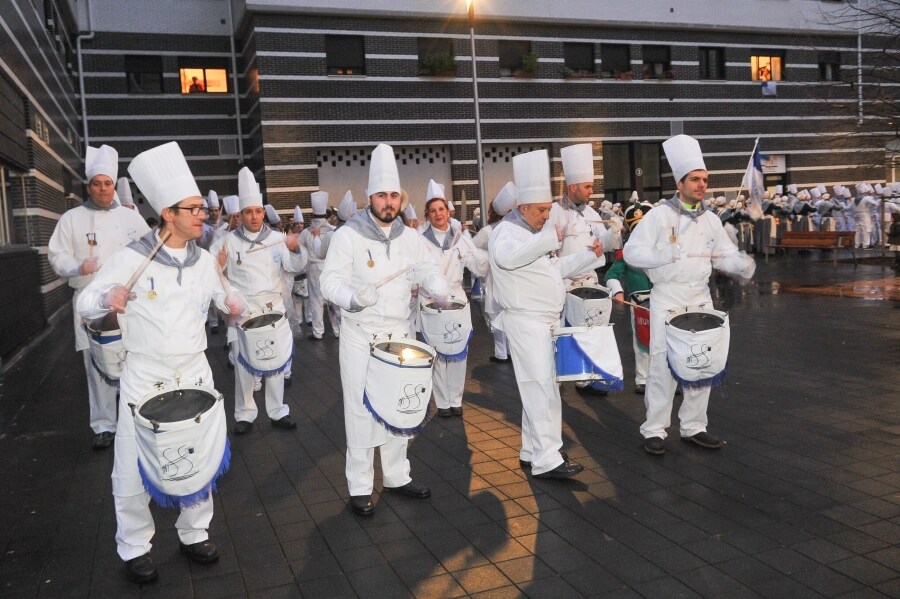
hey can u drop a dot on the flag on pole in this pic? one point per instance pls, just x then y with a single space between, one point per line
754 182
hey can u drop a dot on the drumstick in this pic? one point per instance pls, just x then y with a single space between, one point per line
137 274
627 303
705 255
264 247
390 278
593 220
224 280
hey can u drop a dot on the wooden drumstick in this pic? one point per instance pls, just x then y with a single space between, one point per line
390 278
225 285
263 247
705 255
137 274
627 303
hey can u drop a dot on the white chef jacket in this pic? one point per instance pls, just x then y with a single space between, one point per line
579 235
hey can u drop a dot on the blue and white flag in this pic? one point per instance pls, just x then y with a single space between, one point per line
754 182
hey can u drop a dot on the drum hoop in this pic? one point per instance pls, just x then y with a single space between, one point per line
583 329
258 314
105 337
430 310
413 342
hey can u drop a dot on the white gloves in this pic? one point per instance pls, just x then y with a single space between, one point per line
115 298
89 266
364 297
236 304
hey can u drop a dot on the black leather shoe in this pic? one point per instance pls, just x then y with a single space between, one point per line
242 427
444 412
285 422
655 445
640 389
411 489
565 470
203 552
103 440
705 440
589 390
361 505
457 411
141 569
312 337
527 465
497 360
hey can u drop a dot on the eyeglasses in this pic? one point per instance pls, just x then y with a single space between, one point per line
194 210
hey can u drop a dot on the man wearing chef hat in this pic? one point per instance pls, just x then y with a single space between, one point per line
316 238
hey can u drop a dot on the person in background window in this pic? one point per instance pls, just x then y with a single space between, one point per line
764 73
196 86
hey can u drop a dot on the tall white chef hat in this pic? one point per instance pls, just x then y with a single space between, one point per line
271 215
505 199
450 206
434 190
815 192
821 188
212 199
248 189
232 204
895 187
792 189
886 192
606 205
101 161
531 172
319 200
383 174
779 189
684 155
720 201
803 195
847 193
163 175
860 188
634 197
878 188
578 163
409 212
348 206
298 215
123 190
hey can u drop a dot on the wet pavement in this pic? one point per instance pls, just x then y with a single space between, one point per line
803 501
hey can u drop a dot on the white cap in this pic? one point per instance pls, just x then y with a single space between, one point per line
123 189
684 155
434 190
409 212
895 186
578 163
779 189
298 215
505 199
878 188
450 206
248 189
815 193
860 188
886 192
348 206
383 174
163 175
319 201
213 199
634 197
720 201
232 204
847 193
101 161
821 188
531 172
205 203
271 215
606 205
792 189
732 204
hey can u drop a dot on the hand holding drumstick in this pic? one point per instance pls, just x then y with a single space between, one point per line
118 296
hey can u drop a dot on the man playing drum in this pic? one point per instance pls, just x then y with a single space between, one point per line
530 291
358 276
678 244
163 319
83 240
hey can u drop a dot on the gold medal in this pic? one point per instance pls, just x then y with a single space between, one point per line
151 294
370 264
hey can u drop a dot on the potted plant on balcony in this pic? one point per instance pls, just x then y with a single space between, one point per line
529 65
569 73
438 64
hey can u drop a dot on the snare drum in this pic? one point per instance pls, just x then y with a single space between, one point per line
587 306
588 354
301 285
265 342
398 385
697 340
640 319
182 445
107 350
447 327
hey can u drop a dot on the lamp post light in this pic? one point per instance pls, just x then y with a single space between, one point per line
470 8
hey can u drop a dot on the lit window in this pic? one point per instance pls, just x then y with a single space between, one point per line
203 79
766 68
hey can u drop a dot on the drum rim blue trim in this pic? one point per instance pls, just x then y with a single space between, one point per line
103 340
613 383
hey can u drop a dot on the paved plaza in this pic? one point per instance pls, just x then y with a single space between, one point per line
803 501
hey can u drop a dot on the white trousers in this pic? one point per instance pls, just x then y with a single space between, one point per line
641 361
501 349
135 528
101 398
659 398
317 304
245 409
360 468
449 382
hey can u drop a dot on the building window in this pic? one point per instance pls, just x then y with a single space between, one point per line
345 54
830 66
615 61
511 54
712 63
203 75
578 59
767 66
436 57
144 74
657 62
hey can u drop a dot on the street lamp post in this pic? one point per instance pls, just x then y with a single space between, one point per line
470 7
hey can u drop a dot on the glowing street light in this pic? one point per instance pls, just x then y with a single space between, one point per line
470 8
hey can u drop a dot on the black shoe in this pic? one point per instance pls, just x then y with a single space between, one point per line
361 505
103 440
527 465
640 389
312 337
203 552
214 329
411 489
457 411
285 422
444 412
497 360
655 445
242 427
590 390
141 569
705 440
565 470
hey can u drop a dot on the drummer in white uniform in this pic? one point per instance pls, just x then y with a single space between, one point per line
680 278
256 275
316 238
371 246
530 290
83 240
163 330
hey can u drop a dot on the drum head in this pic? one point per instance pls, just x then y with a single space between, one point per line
589 293
405 351
445 306
176 405
263 320
696 321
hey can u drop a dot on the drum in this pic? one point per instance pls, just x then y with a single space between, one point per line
265 342
587 306
447 327
107 350
398 385
588 354
640 319
182 445
301 285
697 340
